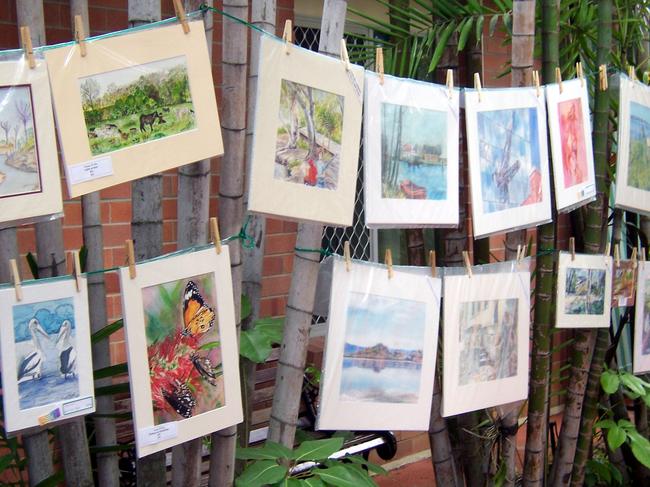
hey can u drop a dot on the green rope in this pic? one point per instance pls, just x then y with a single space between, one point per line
325 252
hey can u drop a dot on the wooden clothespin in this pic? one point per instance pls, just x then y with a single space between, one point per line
388 260
602 77
558 79
346 255
432 262
634 257
521 251
617 255
468 264
580 73
477 86
572 248
214 234
450 83
344 55
646 77
180 14
379 64
608 249
287 36
80 34
26 39
631 72
130 257
16 276
642 254
538 88
76 269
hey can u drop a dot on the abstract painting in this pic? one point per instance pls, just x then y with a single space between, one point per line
641 350
624 283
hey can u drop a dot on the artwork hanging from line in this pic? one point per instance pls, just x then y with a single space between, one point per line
306 142
641 362
623 283
584 291
145 96
46 354
381 349
29 167
410 153
509 174
633 162
487 317
182 347
570 131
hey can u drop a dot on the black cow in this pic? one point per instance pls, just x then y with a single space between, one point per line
149 119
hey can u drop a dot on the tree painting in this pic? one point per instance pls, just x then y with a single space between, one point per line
638 174
308 144
133 105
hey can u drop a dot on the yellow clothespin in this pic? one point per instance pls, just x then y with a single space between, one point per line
432 262
287 36
389 263
538 88
631 72
450 83
617 255
634 257
16 276
468 264
80 35
130 257
26 39
572 248
214 234
180 14
379 64
558 78
477 86
344 55
602 77
346 255
76 269
580 73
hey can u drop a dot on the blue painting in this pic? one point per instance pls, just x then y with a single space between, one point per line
382 357
413 153
638 174
509 158
46 357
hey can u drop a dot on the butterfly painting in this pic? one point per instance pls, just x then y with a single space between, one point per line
183 347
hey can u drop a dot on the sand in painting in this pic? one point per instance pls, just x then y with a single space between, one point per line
45 345
638 174
572 135
137 104
19 164
413 153
509 158
585 291
183 346
382 356
308 143
488 340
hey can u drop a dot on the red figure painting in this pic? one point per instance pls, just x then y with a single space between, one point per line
312 174
535 185
574 152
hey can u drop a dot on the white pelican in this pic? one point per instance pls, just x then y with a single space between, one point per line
67 353
32 364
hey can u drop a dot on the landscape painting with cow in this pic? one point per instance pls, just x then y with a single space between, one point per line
138 104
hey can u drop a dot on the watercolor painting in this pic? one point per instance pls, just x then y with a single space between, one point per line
184 348
133 105
46 352
585 291
624 283
413 153
645 335
308 142
638 174
572 135
382 358
488 340
509 158
19 162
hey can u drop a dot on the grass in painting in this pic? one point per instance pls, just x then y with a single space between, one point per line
585 291
138 104
623 284
638 174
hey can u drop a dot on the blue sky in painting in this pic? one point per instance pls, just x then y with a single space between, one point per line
50 314
419 125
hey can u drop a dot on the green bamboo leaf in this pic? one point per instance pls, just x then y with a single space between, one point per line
261 473
609 381
254 346
111 371
442 43
270 451
317 449
5 461
246 307
616 437
53 480
464 32
389 28
479 29
107 331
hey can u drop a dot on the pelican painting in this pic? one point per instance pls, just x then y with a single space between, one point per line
31 366
67 353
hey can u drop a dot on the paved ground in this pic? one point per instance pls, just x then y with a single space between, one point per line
418 474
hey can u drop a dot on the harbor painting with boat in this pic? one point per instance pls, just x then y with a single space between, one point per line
413 153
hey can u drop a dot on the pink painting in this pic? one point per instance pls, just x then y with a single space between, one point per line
574 152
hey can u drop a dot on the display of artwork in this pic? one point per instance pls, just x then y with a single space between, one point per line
509 175
29 165
633 161
641 353
46 354
487 318
570 130
182 347
624 283
381 349
307 134
410 153
584 291
145 96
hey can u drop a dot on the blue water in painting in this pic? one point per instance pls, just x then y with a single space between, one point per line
373 380
432 177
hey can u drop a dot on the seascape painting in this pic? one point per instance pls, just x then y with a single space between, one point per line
585 291
488 341
623 283
413 153
19 163
137 104
308 142
46 352
572 136
184 348
382 358
509 158
638 174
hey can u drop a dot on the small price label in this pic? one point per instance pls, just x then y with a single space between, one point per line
158 433
89 170
77 405
587 191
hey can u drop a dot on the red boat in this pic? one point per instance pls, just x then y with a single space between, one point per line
412 191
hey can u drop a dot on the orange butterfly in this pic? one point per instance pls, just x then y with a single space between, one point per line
198 317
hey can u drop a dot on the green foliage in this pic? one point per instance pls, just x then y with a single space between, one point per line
600 471
256 343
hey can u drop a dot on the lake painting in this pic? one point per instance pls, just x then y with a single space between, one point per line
585 291
382 356
413 153
638 174
46 344
509 158
19 164
488 341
